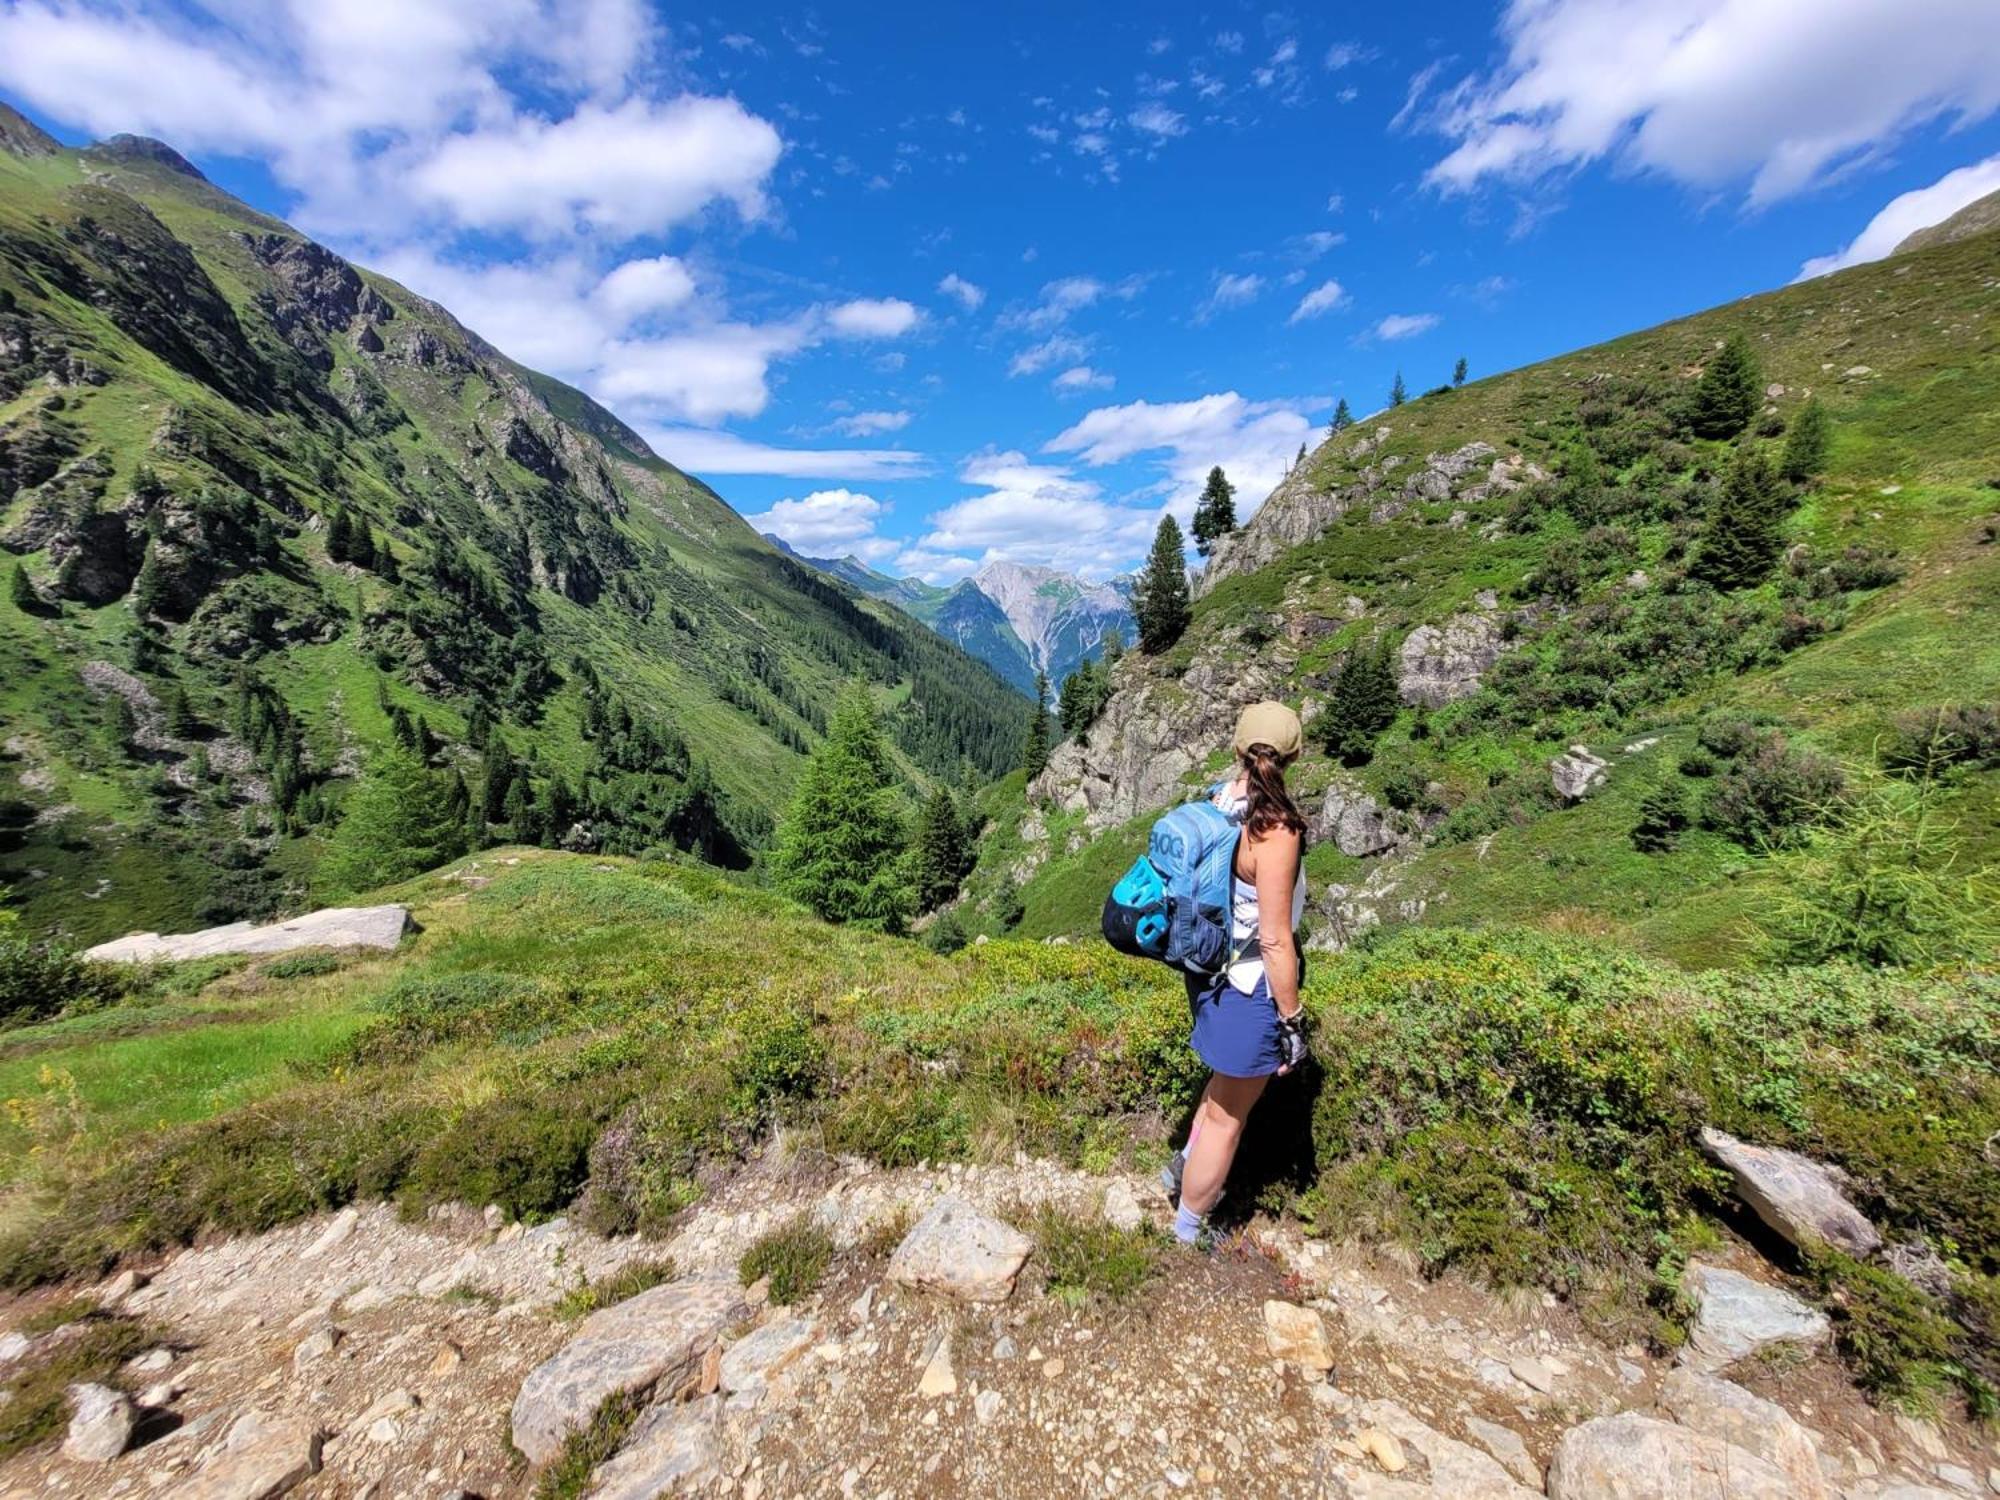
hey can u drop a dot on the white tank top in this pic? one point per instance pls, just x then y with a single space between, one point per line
1249 968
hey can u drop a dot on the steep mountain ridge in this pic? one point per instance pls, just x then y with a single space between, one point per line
271 509
1521 550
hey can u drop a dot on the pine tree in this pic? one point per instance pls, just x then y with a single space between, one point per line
21 589
1114 647
1361 703
149 589
838 849
1084 693
1300 459
181 721
124 723
1161 599
1215 512
398 823
1035 752
1726 396
339 535
1807 443
940 850
1343 416
1740 539
1458 372
478 726
1398 393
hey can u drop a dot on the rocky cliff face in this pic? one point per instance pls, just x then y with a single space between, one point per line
1060 618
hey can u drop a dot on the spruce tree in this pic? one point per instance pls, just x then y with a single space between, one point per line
1084 693
1807 443
1161 599
398 823
149 589
940 851
21 589
1035 751
1215 512
1300 459
839 847
124 723
339 535
1741 540
1361 703
1398 393
1458 372
181 721
1343 416
1726 396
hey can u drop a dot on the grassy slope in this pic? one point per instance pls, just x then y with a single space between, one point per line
1915 469
693 555
1518 1107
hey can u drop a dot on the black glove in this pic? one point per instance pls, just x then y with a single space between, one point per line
1293 1048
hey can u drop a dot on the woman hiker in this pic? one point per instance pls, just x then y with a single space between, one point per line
1248 1024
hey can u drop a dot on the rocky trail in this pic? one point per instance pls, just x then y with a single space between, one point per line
357 1355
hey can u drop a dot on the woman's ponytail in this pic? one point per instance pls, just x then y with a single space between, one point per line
1271 806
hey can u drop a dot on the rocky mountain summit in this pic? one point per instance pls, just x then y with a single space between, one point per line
945 1349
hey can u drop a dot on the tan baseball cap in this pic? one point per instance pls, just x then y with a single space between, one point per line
1270 724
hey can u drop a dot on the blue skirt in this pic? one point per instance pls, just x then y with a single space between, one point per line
1235 1033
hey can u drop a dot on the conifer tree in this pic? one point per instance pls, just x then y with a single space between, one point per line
181 721
940 850
1161 599
1361 704
149 589
21 589
478 726
1726 396
1807 443
1299 459
1740 539
1084 693
398 823
1398 393
124 723
1215 512
1035 752
1343 416
838 849
1114 647
1458 372
339 535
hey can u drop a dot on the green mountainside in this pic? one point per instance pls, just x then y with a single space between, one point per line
1534 559
272 513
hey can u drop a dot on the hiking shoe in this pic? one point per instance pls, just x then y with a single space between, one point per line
1170 1176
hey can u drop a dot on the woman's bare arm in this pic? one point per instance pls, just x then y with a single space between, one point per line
1276 866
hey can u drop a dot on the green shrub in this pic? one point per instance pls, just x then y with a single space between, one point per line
1771 793
1899 1342
1930 741
1663 816
630 1279
40 980
795 1257
568 1474
1085 1257
36 1405
946 934
531 1156
307 965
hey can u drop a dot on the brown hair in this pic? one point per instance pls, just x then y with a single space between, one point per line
1271 806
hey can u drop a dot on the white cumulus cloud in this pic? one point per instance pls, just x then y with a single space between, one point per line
969 296
1322 299
1230 290
1155 119
1905 214
1405 325
704 450
872 318
1081 378
829 523
872 423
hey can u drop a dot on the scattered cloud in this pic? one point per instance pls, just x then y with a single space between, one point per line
1420 83
829 523
1029 512
1254 442
872 318
1712 93
1404 326
1905 214
1229 41
1155 119
871 423
1081 378
1345 55
1231 289
969 296
1052 350
705 450
1310 247
1322 299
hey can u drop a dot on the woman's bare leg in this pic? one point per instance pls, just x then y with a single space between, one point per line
1218 1127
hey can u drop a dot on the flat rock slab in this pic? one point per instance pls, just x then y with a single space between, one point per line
1723 1410
263 1456
756 1357
654 1340
1456 1469
1636 1457
1796 1196
675 1445
1736 1316
957 1250
1297 1334
336 927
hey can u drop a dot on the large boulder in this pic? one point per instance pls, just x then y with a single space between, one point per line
961 1252
1724 1410
674 1446
1635 1457
1456 1469
654 1341
100 1424
262 1457
1439 664
1353 821
1795 1195
1577 773
335 927
755 1358
1736 1317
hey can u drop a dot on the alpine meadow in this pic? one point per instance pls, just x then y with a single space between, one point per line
528 972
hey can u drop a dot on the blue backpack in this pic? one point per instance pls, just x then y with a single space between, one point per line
1174 903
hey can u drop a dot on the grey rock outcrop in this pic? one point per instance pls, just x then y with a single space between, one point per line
1353 820
1439 664
1796 1196
654 1341
1723 1410
1577 773
1635 1457
262 1457
756 1357
100 1424
1456 1469
335 927
674 1446
961 1252
1736 1317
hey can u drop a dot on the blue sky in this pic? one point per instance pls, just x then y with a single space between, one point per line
941 284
